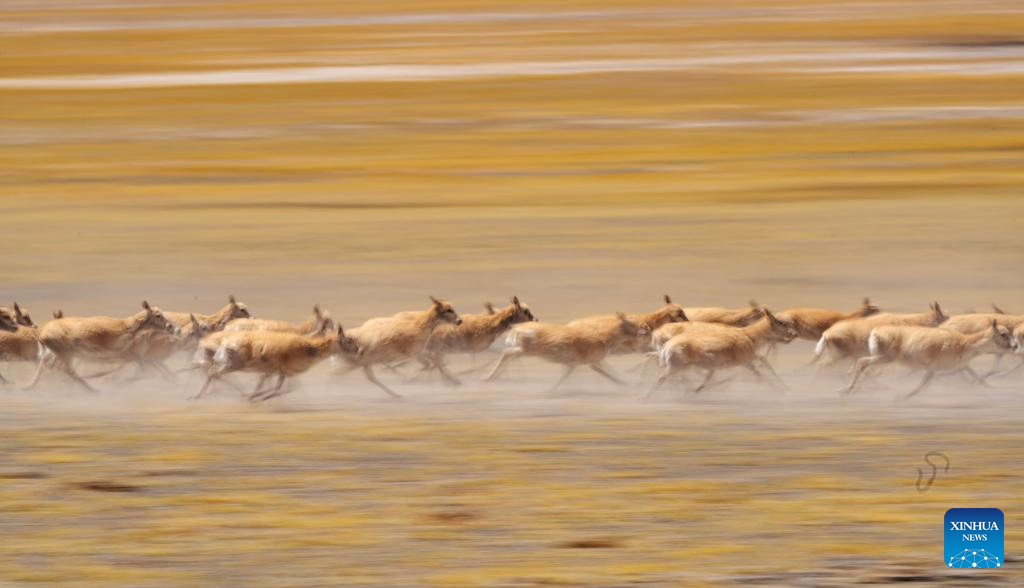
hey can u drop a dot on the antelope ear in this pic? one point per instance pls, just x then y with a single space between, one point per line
231 300
515 301
341 331
622 316
317 312
753 304
17 310
770 316
668 299
58 314
867 301
994 307
146 305
435 301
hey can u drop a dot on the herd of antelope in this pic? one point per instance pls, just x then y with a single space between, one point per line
681 340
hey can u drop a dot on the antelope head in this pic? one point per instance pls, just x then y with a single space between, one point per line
868 309
938 317
197 329
155 319
445 312
326 326
1002 338
22 317
7 322
236 309
522 312
347 344
779 330
675 312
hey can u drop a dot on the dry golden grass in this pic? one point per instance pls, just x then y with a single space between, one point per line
369 184
673 495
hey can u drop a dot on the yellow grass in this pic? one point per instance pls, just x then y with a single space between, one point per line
414 497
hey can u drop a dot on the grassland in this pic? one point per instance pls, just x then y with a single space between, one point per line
654 111
556 493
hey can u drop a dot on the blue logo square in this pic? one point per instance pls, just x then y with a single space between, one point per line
974 538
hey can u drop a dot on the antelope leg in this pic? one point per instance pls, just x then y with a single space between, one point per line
859 369
373 379
506 356
597 367
924 383
707 378
70 371
46 360
569 369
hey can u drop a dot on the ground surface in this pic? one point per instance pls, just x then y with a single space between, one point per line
502 485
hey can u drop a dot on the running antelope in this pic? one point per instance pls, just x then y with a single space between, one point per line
933 350
310 325
716 347
1018 349
671 313
848 339
17 342
274 353
404 336
967 324
570 345
216 321
476 333
811 323
152 348
19 315
734 317
93 338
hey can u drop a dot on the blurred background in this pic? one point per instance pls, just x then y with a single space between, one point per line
589 156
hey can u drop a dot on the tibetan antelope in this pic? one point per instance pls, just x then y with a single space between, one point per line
97 338
150 349
475 334
1018 349
811 323
310 325
274 353
609 323
19 315
17 342
714 347
569 345
848 339
967 324
388 340
933 350
216 321
734 317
